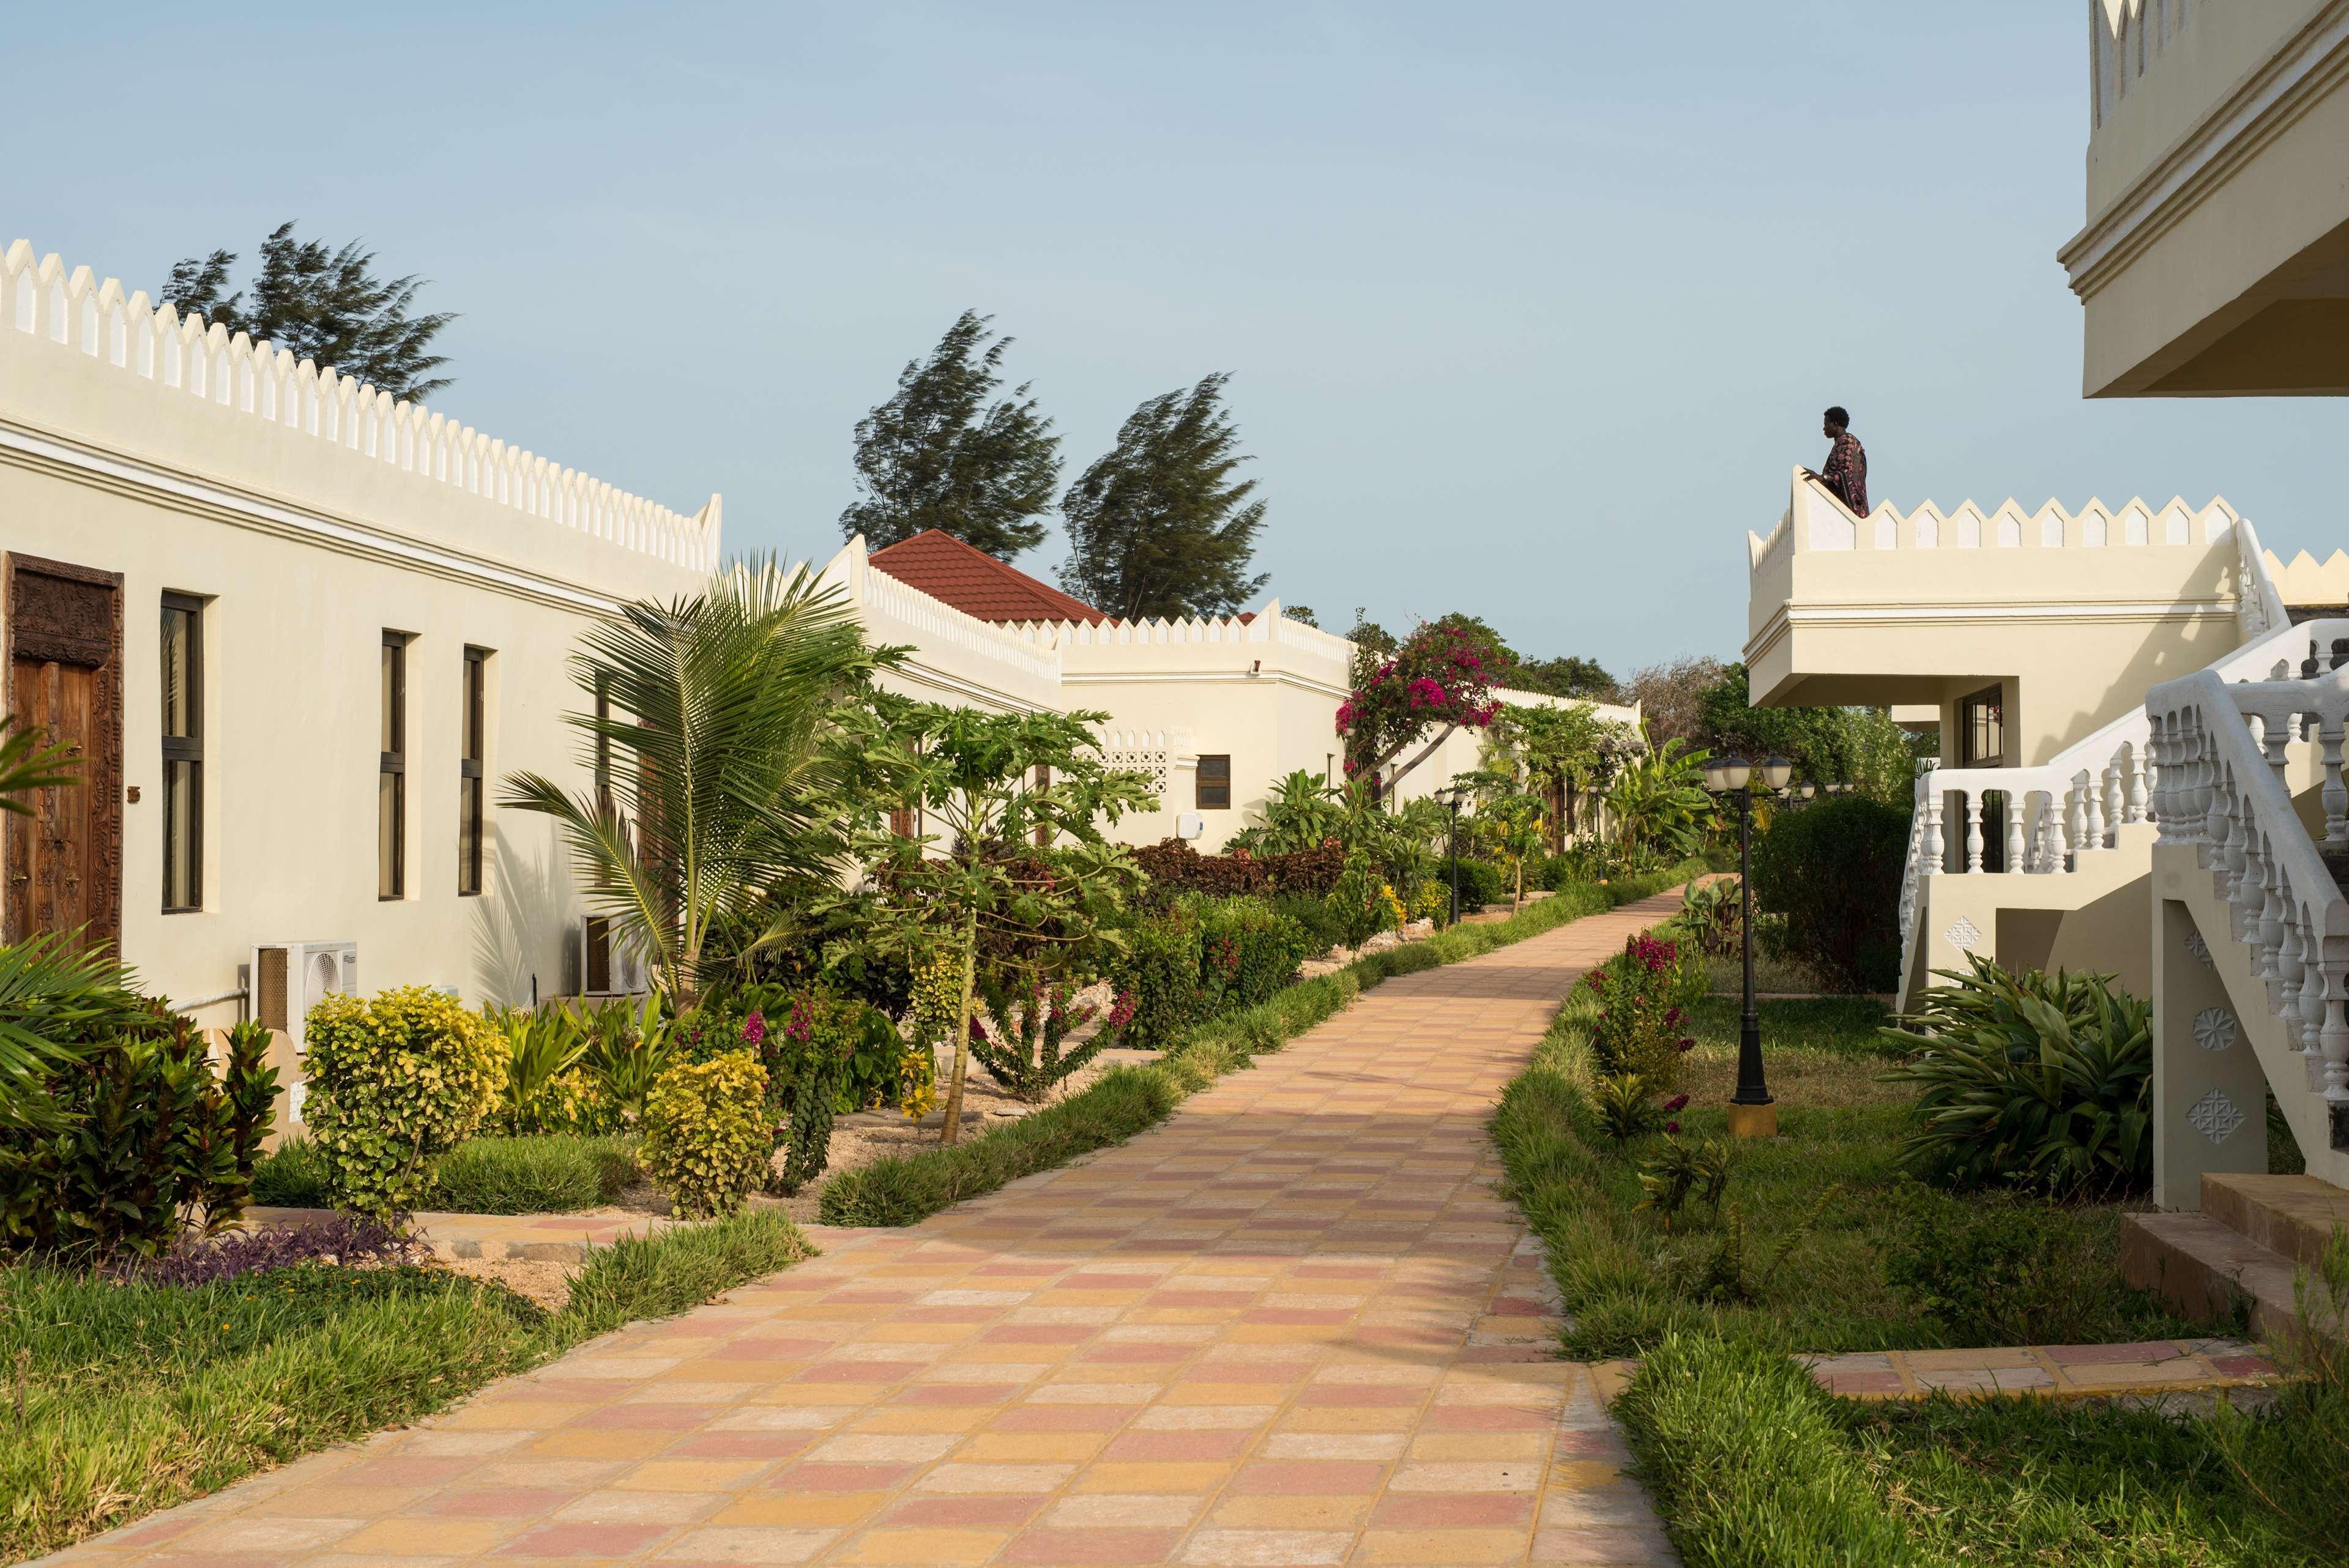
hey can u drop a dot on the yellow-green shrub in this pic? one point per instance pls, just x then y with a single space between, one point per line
708 1139
394 1083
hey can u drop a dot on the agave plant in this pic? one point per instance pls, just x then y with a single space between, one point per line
2044 1080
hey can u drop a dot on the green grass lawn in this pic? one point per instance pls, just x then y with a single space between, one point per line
124 1398
1797 1254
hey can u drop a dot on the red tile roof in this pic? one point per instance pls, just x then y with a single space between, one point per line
975 583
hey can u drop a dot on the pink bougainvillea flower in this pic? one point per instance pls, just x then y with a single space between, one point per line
1671 1127
1678 1102
754 1027
1687 1044
1672 1016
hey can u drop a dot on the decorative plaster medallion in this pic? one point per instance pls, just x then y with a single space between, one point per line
2214 1116
1964 934
2200 949
2215 1028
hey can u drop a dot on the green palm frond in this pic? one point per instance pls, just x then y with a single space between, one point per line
27 765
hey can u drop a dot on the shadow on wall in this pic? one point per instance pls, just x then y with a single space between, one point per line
523 928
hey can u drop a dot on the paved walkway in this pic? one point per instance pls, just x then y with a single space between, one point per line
1295 1326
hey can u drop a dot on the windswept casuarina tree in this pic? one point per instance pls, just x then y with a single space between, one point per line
939 455
323 306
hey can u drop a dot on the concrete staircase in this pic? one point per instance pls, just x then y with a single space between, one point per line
2244 1253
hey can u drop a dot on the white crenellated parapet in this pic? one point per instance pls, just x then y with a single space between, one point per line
934 618
1815 522
2128 38
178 355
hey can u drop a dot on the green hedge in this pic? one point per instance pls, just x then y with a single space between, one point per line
1125 1101
1832 871
553 1173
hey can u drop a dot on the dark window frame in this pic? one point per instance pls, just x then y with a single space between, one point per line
603 763
472 788
1992 698
393 764
1201 786
187 748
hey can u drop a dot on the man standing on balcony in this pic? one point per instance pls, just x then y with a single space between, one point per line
1847 469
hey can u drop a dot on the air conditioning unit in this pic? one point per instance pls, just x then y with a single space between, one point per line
609 965
288 979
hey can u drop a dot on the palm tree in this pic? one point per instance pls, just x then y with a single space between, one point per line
26 765
720 740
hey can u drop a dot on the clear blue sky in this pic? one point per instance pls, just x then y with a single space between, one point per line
1529 307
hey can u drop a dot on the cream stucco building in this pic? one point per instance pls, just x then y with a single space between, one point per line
299 632
2142 712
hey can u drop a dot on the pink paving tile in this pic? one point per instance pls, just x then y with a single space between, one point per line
956 1394
2149 1350
838 1477
1436 1510
506 1502
969 1512
1164 1446
1308 1477
2243 1366
1063 1419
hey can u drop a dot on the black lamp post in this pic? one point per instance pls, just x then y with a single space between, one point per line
1752 1113
1450 795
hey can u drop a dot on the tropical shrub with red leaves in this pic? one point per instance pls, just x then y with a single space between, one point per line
1643 994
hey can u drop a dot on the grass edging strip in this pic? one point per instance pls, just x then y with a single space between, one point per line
137 1397
904 1190
1748 1465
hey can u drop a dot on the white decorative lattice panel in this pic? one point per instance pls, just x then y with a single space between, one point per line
2200 949
2215 1117
1964 934
2215 1029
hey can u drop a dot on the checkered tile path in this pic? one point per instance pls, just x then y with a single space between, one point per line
1295 1326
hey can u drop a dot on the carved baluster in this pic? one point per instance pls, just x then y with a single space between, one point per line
2012 810
2093 801
2113 802
2312 1000
2239 849
2292 965
2136 758
1934 850
2076 821
2162 778
2275 734
2332 1036
2217 817
2271 927
1974 799
2202 783
2334 794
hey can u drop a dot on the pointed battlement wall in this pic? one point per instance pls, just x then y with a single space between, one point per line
1815 521
176 357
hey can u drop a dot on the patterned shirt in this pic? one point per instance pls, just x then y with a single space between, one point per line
1846 473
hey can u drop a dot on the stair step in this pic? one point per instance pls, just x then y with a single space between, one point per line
2293 1216
2211 1271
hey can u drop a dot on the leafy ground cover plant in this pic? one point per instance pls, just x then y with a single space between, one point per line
126 1398
348 1239
394 1084
2035 1079
1832 1181
1754 1466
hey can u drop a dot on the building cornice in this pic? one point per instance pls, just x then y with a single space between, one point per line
27 447
2263 107
1208 677
1787 618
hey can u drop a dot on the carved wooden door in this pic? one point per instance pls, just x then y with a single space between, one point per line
63 863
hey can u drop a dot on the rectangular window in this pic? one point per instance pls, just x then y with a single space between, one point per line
470 782
391 773
1215 784
603 747
183 753
1982 728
